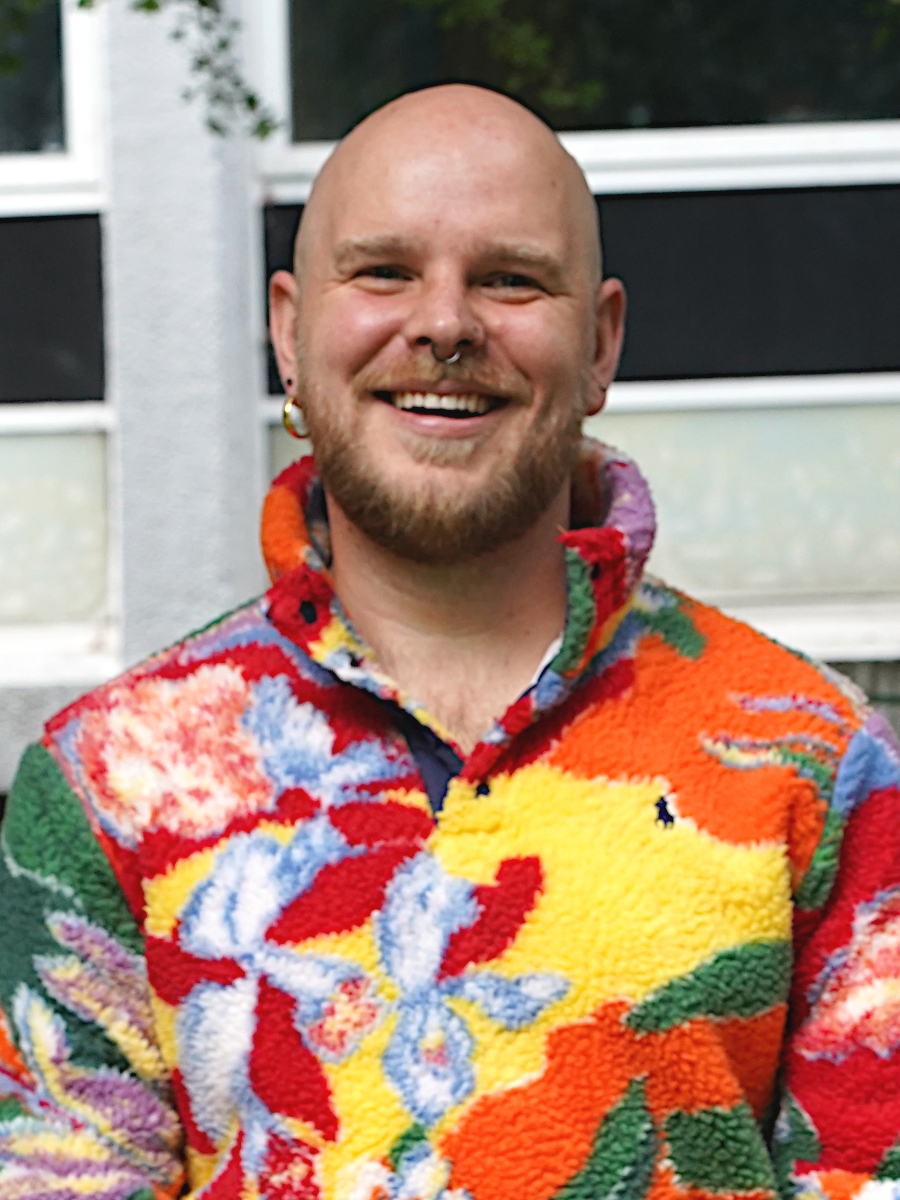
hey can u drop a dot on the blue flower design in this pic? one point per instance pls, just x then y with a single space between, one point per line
428 1059
298 746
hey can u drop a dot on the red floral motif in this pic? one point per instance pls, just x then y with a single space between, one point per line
285 1075
346 894
504 906
284 1070
289 1172
174 754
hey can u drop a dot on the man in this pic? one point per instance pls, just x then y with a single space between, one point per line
463 864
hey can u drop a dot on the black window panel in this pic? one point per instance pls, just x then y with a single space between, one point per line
51 309
796 281
602 64
785 282
31 103
280 223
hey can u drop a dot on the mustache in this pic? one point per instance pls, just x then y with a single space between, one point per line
481 377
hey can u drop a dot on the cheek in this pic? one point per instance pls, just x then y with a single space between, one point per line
350 331
549 353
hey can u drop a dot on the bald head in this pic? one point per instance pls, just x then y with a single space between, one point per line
454 129
448 261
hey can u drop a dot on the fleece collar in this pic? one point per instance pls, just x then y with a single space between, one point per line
612 531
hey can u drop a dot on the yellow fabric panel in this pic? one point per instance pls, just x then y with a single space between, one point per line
664 898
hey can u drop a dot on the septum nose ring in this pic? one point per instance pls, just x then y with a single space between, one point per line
447 362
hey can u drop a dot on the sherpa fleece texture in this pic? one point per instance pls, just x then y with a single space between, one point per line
243 953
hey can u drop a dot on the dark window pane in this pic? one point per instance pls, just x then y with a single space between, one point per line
280 223
802 281
757 283
31 111
51 311
603 64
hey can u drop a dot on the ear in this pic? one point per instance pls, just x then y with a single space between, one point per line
283 322
610 330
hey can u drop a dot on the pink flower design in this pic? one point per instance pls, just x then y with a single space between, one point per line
858 1001
348 1016
173 754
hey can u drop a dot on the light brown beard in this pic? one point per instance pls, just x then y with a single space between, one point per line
429 525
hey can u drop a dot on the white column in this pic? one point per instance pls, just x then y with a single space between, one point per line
184 363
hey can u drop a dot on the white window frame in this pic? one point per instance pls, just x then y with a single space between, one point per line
71 180
639 161
68 182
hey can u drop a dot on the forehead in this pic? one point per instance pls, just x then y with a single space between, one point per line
457 188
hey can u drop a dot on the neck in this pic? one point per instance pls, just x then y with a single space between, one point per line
466 639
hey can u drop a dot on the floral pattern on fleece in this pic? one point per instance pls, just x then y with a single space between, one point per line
99 1128
570 982
190 755
251 1051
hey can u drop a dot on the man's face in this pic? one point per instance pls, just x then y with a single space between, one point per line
445 243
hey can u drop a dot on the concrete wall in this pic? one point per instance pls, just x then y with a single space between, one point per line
184 366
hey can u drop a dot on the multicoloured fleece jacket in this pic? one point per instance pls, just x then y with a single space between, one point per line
266 933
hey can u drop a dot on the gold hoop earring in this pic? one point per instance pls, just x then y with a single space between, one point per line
298 430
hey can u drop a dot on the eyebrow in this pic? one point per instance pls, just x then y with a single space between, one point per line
512 254
388 246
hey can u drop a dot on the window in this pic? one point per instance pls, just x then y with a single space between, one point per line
51 320
603 64
746 164
56 598
31 101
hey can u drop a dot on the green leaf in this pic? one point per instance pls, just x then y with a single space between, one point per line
816 885
47 833
10 1108
621 1161
405 1142
719 1149
675 628
794 1139
889 1167
742 982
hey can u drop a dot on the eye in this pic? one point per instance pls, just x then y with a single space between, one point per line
381 271
509 280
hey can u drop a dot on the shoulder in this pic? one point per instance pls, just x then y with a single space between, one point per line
751 703
173 741
729 659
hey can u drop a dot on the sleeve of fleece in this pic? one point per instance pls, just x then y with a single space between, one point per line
85 1107
837 1135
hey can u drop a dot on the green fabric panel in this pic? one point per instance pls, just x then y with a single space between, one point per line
406 1141
719 1149
736 983
623 1155
24 934
23 931
795 1139
10 1109
889 1167
47 832
818 881
676 629
582 612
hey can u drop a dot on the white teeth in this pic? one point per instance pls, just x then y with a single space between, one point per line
471 402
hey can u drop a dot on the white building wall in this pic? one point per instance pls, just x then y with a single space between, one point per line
183 364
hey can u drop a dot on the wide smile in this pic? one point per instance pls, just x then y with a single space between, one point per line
458 405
